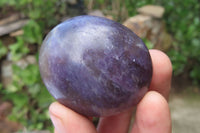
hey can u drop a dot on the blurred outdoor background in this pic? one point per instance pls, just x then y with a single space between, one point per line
172 26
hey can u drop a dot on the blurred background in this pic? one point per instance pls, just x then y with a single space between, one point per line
172 26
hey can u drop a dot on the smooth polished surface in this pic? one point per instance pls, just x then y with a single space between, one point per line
95 66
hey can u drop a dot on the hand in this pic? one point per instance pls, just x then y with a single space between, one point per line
152 113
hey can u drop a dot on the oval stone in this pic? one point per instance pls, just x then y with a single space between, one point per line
95 66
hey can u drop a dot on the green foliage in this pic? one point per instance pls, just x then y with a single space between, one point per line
41 10
30 98
148 44
184 24
27 92
100 1
183 21
33 32
3 50
1 86
18 49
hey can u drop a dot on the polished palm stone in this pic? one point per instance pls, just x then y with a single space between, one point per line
95 66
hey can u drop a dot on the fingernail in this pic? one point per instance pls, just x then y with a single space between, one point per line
58 124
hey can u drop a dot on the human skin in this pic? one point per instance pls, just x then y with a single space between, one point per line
152 113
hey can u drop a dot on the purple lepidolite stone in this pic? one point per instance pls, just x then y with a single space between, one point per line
95 66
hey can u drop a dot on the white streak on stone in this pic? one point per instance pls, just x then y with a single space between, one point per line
139 45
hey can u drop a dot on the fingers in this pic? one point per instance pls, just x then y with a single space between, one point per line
67 121
162 73
152 115
115 124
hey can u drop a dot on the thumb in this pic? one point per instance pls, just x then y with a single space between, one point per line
67 121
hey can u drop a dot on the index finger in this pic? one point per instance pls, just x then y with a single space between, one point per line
162 73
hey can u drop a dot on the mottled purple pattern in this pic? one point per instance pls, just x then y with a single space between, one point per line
95 66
